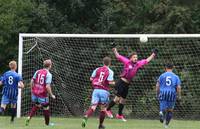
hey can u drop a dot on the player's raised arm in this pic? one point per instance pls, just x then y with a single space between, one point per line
121 58
115 52
154 53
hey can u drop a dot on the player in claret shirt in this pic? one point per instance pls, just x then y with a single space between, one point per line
101 78
41 87
131 66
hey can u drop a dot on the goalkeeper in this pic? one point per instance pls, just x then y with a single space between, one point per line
131 66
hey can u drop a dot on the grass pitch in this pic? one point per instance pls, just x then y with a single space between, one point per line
75 123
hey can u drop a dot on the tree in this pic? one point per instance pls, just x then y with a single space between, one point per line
14 19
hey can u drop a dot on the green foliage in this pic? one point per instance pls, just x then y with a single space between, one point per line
14 19
99 16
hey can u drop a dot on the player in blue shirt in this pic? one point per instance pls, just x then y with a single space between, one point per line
11 81
168 87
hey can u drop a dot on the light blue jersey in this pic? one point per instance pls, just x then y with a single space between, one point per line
168 82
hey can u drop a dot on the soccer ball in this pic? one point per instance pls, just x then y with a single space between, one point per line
143 39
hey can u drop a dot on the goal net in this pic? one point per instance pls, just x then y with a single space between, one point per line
75 56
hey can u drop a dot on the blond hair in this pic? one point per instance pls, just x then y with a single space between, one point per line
13 64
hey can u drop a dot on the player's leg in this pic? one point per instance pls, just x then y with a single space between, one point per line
46 113
102 115
13 110
110 105
92 108
123 94
113 102
169 112
121 107
104 99
4 102
2 108
34 109
118 91
88 113
162 112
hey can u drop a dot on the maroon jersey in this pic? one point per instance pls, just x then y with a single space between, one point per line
39 87
101 77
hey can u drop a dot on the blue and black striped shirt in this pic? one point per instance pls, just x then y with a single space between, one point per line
10 81
168 82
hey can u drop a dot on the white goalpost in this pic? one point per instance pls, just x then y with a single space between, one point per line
76 55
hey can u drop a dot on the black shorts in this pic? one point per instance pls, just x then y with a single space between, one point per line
121 88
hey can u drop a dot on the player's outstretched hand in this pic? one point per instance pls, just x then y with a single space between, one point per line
53 96
114 49
155 51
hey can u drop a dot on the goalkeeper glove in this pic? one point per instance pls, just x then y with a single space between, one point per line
113 44
155 51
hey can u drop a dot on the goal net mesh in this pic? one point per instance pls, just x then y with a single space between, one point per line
74 59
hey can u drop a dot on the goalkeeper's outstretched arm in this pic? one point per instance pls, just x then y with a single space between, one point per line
115 52
154 53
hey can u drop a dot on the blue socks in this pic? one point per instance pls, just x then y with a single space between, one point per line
2 111
168 117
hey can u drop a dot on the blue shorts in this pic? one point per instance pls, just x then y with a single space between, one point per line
164 105
100 96
6 100
40 100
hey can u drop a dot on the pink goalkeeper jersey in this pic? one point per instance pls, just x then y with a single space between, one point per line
39 88
130 69
101 77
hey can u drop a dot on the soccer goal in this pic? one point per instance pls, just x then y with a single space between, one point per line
74 57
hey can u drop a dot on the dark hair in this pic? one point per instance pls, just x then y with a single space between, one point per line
106 60
132 54
169 66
